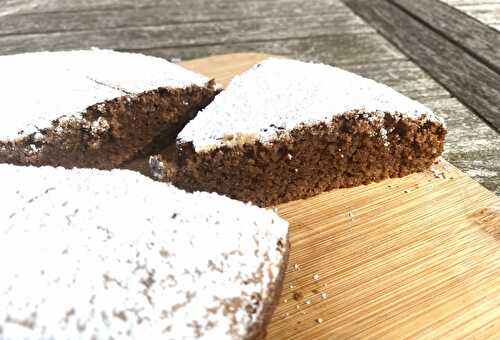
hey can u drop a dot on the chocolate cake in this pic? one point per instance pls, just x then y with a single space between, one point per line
286 130
93 108
90 254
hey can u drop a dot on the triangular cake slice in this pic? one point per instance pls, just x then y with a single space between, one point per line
92 108
287 129
90 254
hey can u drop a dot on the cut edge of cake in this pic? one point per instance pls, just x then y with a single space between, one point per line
275 135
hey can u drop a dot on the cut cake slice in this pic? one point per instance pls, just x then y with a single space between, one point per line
90 254
287 129
92 108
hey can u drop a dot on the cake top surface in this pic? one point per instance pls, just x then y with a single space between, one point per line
114 255
280 94
37 88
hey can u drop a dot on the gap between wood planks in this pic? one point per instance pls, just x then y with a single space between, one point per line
475 37
430 36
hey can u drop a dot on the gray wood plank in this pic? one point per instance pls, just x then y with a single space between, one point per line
189 34
470 2
52 6
472 82
172 12
402 75
471 145
338 49
476 38
487 13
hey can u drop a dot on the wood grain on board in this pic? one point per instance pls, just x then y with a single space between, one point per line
417 257
413 257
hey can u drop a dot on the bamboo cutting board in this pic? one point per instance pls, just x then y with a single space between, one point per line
416 257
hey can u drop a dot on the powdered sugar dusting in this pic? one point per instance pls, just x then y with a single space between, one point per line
37 88
279 95
99 255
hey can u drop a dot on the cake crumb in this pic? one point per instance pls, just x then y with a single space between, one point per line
319 320
291 286
437 173
308 302
297 307
316 277
285 300
296 266
286 315
323 296
297 296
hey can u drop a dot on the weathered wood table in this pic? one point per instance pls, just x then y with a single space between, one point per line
420 265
